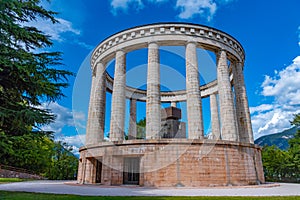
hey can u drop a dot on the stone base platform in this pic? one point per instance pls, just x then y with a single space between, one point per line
171 163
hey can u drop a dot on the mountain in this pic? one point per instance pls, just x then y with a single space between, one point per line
278 139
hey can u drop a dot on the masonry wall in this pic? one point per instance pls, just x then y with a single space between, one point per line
185 163
4 173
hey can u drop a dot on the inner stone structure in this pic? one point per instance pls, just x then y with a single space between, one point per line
168 155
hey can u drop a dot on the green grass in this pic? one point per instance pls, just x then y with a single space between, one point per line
4 195
10 180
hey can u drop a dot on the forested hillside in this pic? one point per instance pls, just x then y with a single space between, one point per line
278 139
283 164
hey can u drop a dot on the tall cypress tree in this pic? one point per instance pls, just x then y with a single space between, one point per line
29 75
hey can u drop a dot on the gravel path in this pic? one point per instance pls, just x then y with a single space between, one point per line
61 187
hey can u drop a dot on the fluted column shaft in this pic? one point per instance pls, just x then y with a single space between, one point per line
117 119
96 115
194 104
242 107
153 107
227 111
214 114
132 120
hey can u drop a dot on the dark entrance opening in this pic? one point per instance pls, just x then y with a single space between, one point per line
131 174
98 171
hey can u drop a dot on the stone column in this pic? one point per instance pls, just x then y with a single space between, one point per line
96 115
132 120
89 177
153 107
227 110
117 119
214 114
242 108
194 104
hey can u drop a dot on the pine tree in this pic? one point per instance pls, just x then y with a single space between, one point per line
28 75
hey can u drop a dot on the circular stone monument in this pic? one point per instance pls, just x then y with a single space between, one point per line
168 155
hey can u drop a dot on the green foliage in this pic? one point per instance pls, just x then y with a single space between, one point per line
296 120
63 163
27 76
30 152
39 154
141 129
283 165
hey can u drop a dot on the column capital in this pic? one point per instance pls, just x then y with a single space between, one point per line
94 67
120 50
98 65
239 62
153 44
191 42
221 51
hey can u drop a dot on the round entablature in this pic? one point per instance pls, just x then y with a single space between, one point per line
168 34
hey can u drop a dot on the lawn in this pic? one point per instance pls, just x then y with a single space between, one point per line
4 195
10 180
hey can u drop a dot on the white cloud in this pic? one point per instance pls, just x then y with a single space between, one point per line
124 4
84 45
285 85
261 108
75 141
188 8
191 8
284 88
54 30
299 36
64 117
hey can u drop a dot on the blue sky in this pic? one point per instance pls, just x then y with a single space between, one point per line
268 30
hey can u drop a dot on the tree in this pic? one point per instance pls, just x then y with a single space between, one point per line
274 163
31 151
296 120
63 163
282 165
27 75
294 150
141 129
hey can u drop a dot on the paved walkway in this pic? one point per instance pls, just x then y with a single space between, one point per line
61 187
